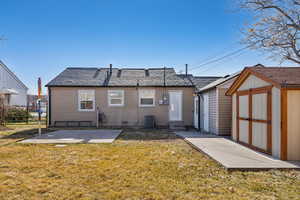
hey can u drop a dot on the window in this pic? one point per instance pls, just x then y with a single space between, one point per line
86 100
146 98
116 97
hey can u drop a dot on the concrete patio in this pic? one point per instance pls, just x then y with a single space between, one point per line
233 156
75 136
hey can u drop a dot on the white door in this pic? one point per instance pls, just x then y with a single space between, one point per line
196 113
206 112
175 105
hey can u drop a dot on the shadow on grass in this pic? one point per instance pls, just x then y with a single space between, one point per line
147 134
23 134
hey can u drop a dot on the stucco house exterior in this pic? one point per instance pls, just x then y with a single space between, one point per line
12 89
266 110
122 96
215 107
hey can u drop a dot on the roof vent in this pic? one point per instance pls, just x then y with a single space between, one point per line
119 73
146 72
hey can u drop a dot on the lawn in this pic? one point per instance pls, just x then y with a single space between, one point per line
138 165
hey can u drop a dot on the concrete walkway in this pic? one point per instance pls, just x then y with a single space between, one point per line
75 136
233 156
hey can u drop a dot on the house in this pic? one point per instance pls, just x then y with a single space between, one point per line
122 96
215 106
266 110
12 89
199 82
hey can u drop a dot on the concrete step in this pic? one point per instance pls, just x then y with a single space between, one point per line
177 125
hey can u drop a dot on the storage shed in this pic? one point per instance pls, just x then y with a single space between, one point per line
266 110
215 106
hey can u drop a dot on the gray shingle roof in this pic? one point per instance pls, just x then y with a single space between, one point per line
218 82
79 77
201 81
119 77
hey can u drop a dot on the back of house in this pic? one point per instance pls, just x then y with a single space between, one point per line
115 97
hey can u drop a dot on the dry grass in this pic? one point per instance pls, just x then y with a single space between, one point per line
139 165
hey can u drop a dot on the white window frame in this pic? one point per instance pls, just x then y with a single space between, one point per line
140 97
109 98
79 104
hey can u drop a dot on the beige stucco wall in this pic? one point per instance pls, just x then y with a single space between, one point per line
293 125
64 106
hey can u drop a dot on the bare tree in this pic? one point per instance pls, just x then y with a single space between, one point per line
276 28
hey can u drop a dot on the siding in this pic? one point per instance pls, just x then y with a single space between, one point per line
212 95
234 115
293 110
253 82
276 122
224 112
8 80
201 114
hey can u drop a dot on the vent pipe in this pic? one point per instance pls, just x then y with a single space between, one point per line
186 69
110 69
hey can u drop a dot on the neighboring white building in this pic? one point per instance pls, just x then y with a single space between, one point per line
14 90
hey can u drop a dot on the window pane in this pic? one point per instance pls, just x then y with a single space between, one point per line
115 94
146 101
147 93
86 104
116 101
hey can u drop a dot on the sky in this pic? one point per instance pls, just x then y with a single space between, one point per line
42 38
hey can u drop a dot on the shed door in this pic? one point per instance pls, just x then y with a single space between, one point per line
254 112
206 112
175 107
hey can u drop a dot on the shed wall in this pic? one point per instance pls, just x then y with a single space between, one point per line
276 122
293 125
212 111
253 82
224 112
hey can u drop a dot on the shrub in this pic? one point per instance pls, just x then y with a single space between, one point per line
16 115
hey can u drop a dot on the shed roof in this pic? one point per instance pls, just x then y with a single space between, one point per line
120 77
288 77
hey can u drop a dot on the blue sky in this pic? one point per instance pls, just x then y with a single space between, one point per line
45 37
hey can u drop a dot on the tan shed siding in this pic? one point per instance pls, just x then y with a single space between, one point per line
253 82
224 112
293 125
212 111
234 115
276 122
64 107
